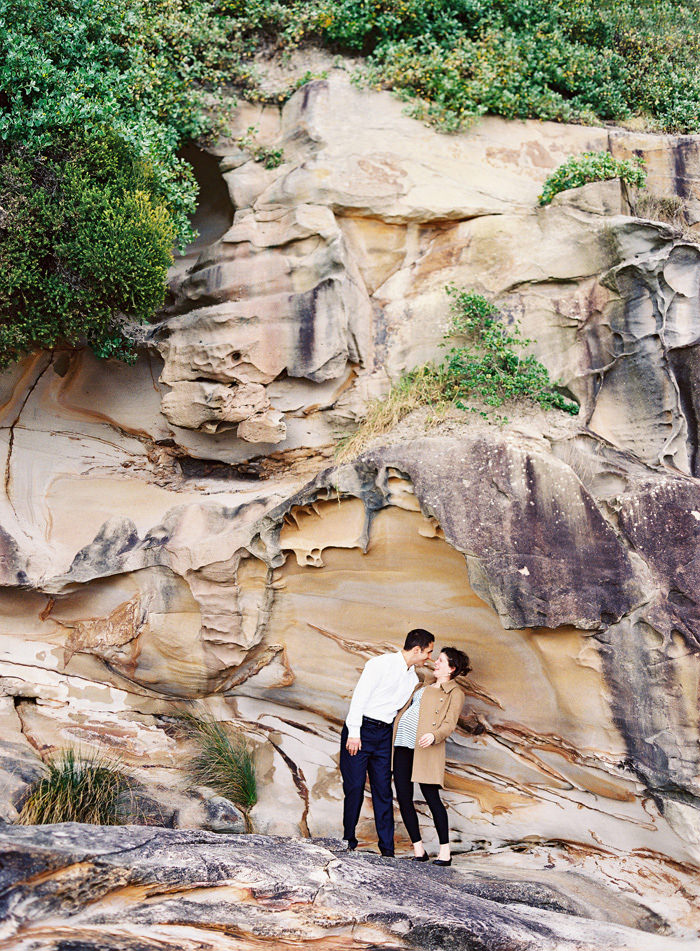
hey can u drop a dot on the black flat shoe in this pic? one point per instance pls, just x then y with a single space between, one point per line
442 862
421 858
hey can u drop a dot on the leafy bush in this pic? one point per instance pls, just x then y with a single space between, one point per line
224 763
84 243
591 167
489 367
76 790
490 364
587 60
95 98
135 68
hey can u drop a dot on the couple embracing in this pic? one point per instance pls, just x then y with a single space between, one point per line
394 718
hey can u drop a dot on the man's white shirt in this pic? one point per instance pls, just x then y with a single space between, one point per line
384 686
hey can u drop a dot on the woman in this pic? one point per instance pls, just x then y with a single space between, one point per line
430 716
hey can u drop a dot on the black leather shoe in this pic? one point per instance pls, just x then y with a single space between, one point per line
442 862
387 855
421 858
352 845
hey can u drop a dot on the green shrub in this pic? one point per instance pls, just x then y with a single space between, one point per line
95 98
592 167
588 60
490 365
223 762
135 68
76 789
84 245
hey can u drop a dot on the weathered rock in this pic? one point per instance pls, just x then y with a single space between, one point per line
166 536
133 888
338 260
266 427
19 764
211 407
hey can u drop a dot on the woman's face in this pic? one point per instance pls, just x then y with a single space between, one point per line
442 667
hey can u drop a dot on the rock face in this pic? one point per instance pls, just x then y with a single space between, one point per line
127 888
334 272
177 531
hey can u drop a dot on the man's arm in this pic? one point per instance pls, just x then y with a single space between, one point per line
360 697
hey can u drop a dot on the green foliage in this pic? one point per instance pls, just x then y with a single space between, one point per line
84 245
96 96
592 167
224 763
270 158
76 790
567 60
135 68
490 365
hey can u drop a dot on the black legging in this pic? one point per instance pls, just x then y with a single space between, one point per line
403 767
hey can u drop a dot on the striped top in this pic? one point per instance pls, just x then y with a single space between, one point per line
408 724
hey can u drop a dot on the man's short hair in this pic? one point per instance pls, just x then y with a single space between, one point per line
418 638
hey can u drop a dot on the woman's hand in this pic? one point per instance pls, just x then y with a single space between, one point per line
426 740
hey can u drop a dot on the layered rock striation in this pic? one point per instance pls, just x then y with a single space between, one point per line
177 531
135 889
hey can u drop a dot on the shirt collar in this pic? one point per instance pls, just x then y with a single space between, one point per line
403 659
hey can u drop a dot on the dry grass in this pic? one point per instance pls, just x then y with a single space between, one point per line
223 763
77 789
422 387
671 209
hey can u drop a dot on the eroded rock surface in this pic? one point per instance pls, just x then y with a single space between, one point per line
135 889
176 531
334 272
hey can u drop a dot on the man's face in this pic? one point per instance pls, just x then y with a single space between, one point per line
424 654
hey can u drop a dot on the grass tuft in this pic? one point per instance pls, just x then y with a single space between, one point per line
671 209
76 789
424 386
223 762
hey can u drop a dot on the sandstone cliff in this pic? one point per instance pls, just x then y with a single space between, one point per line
177 530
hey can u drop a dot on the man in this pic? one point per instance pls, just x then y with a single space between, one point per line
384 686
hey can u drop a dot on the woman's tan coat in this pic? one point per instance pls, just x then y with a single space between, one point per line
439 712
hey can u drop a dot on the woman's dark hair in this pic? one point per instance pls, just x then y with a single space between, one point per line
418 638
458 660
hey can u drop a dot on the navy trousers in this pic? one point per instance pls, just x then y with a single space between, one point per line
373 760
